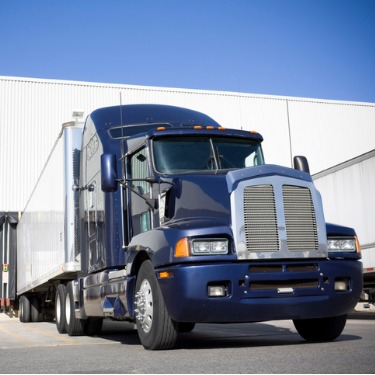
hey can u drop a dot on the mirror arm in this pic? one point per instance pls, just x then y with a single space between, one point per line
152 203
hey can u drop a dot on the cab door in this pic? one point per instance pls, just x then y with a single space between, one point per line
94 207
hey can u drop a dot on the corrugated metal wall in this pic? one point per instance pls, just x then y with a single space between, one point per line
329 133
32 111
348 192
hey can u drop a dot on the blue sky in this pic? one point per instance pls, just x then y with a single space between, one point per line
309 48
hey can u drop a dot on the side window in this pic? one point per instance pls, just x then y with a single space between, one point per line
140 212
139 169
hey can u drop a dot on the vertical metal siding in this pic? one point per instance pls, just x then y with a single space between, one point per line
348 198
329 133
32 111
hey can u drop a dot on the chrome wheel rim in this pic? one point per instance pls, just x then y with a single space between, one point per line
144 306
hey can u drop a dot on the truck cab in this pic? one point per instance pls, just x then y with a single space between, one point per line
182 222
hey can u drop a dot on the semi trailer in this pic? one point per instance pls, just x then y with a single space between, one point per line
159 216
355 203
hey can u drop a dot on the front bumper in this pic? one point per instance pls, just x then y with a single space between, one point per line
260 291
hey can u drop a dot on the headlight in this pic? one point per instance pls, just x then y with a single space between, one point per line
209 246
346 245
201 246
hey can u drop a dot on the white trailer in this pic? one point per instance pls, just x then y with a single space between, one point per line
348 196
47 250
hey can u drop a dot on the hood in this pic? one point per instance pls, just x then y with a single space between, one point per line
206 197
199 197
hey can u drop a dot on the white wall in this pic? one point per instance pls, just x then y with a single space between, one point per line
348 193
32 111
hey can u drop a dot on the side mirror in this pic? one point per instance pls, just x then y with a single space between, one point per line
109 173
301 164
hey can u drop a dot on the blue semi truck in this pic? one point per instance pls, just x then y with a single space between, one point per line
172 220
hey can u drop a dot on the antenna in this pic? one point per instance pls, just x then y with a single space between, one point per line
122 128
120 108
123 173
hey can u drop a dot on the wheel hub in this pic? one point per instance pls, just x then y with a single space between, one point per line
144 306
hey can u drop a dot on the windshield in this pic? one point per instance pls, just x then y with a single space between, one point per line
191 154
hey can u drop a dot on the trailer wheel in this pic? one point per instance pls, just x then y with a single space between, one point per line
25 313
34 306
74 326
155 327
60 308
323 329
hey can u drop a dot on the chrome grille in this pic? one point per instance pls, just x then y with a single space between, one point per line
300 219
295 219
260 218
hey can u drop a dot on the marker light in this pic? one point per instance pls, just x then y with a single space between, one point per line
357 245
166 274
182 248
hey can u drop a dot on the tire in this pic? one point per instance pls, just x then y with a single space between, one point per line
74 326
21 307
25 314
155 327
93 326
34 306
60 308
323 329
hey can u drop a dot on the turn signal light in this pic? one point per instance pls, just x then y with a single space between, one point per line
166 274
182 248
358 246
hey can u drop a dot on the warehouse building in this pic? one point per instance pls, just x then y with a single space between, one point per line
337 137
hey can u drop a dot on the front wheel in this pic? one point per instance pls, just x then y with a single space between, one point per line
322 329
155 327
